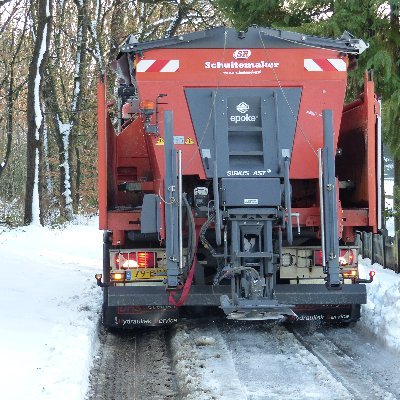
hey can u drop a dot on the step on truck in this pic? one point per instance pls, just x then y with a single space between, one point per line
232 175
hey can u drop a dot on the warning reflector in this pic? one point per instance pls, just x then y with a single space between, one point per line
326 64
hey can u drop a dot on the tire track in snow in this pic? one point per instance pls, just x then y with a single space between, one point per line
203 363
134 365
248 361
272 364
351 374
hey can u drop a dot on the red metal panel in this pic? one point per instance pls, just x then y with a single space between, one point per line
102 152
369 98
218 68
322 88
124 220
359 118
356 217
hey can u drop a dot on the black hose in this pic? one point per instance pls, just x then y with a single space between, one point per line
192 231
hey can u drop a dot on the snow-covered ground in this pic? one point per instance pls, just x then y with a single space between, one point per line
381 315
389 183
50 311
50 306
244 360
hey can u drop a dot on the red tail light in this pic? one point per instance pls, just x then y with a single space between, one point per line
126 260
346 257
146 259
318 257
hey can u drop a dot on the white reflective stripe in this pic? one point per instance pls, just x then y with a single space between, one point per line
171 66
144 65
338 63
311 65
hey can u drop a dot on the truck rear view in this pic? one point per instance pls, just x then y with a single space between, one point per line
231 175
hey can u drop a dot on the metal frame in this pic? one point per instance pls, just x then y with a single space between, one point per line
214 38
205 295
171 203
330 203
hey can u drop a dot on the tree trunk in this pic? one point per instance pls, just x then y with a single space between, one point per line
11 95
9 122
34 113
117 33
54 113
80 72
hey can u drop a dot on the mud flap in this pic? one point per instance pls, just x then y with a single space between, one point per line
332 313
129 317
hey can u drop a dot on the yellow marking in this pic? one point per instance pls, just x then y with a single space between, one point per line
189 140
160 142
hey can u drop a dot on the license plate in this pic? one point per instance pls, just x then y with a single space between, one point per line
156 273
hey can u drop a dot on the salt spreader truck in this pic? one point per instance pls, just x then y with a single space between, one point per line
231 175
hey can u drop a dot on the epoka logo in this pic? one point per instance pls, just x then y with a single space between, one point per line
243 108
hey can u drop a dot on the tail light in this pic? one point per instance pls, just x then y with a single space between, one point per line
125 260
117 276
318 257
146 259
141 259
352 274
346 257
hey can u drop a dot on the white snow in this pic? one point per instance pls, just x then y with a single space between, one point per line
50 307
35 197
50 315
389 184
77 84
65 130
48 9
46 156
244 361
381 314
205 365
93 30
38 111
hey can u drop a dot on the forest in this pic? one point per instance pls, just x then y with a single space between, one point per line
52 53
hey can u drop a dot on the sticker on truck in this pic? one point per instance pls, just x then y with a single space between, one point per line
251 201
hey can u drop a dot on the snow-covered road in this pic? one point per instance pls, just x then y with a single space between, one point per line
49 310
50 337
256 361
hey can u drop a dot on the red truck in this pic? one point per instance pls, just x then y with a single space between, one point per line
232 175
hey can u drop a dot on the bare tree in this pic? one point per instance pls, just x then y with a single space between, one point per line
8 80
64 107
34 113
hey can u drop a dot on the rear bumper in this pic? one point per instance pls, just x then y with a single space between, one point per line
203 295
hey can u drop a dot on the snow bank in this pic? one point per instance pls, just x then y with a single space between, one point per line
381 314
50 307
389 184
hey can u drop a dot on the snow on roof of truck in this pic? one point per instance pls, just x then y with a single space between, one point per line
252 37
